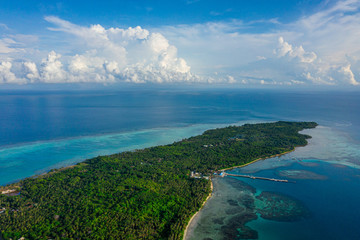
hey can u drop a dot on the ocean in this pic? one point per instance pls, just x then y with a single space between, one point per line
321 200
40 131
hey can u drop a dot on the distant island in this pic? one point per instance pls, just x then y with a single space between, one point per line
143 194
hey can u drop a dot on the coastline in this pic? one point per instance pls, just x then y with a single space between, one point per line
193 218
230 168
16 183
259 159
208 197
99 144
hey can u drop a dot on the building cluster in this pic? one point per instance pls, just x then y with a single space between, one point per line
8 191
210 145
194 174
220 173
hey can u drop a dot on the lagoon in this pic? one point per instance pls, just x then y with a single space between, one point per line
324 187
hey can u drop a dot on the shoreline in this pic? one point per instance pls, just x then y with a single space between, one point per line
203 204
259 159
196 129
230 168
186 231
16 183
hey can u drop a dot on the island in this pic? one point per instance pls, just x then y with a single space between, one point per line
143 194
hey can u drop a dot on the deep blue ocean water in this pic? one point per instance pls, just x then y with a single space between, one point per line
332 202
44 130
35 116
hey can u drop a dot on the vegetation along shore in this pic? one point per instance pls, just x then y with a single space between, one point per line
230 168
144 194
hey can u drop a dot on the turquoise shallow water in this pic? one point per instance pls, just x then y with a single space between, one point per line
17 162
327 187
44 130
25 160
333 203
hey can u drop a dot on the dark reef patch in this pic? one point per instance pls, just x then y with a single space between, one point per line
279 207
248 202
230 230
248 233
240 185
233 202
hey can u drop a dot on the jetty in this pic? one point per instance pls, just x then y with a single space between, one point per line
224 174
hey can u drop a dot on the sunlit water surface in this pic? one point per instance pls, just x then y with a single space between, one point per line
40 131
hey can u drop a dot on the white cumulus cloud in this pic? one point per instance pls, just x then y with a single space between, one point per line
31 71
97 54
349 75
7 76
52 69
322 44
114 54
286 49
321 48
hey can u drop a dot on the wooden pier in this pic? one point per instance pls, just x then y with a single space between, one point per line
261 178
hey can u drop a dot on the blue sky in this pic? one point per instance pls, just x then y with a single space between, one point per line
151 13
235 43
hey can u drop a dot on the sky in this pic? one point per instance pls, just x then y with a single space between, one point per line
233 43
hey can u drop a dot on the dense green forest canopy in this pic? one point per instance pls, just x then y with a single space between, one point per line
142 194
